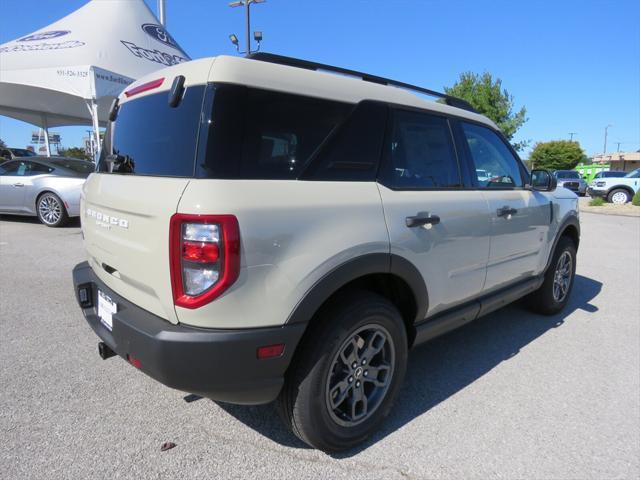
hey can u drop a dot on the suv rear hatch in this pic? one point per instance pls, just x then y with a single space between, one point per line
147 160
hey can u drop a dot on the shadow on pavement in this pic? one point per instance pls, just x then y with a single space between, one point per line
73 222
444 366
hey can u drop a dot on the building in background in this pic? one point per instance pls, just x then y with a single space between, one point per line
624 161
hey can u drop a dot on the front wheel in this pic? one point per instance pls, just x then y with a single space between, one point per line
347 373
554 292
51 210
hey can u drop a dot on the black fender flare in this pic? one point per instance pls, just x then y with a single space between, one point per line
571 220
355 268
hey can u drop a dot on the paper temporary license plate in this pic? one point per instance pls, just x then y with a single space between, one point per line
106 309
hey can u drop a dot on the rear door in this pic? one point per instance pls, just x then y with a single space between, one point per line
520 217
436 223
146 163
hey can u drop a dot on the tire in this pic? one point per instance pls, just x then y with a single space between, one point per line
344 331
51 210
550 298
619 196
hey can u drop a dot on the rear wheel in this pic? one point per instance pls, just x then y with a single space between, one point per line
51 210
554 293
619 196
347 373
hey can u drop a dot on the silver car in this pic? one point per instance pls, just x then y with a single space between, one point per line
46 187
572 180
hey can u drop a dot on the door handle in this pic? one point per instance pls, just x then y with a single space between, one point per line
18 184
419 221
506 211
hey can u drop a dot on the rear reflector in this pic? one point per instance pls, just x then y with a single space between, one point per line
270 351
134 361
144 87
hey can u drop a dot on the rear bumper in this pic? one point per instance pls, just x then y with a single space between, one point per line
218 364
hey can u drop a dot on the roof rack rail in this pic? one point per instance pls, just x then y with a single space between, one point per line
308 65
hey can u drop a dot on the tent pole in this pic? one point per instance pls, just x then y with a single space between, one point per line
45 129
162 13
96 129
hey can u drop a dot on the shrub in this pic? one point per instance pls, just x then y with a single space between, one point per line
636 199
556 155
596 202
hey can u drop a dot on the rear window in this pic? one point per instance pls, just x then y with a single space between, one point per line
152 138
82 168
260 134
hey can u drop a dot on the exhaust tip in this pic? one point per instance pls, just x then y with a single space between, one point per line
105 351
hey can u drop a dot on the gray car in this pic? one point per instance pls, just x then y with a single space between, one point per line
572 180
48 188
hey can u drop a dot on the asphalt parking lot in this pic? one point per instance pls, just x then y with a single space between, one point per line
513 395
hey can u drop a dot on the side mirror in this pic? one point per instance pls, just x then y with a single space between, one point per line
543 181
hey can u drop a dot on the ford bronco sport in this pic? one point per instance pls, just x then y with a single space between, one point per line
263 229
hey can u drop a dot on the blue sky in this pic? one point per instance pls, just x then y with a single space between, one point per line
575 65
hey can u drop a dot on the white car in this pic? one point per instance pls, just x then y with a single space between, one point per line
616 189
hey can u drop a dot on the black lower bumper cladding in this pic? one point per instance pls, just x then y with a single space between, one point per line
215 363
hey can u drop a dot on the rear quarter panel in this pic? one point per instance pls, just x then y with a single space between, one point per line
68 189
292 234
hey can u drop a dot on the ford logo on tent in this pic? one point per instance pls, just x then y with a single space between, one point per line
159 33
44 35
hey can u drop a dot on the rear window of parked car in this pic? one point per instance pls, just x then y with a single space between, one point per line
80 167
152 138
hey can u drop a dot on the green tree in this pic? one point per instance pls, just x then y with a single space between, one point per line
556 155
488 97
74 152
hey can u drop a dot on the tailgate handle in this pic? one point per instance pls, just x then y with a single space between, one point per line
110 270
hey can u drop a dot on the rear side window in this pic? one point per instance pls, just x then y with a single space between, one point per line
79 167
260 134
352 153
152 138
496 166
37 169
419 153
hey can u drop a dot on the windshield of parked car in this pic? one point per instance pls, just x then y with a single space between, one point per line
22 152
633 174
77 166
567 174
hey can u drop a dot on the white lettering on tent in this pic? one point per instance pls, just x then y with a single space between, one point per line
42 46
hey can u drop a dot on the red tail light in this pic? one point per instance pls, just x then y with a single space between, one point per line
205 257
144 87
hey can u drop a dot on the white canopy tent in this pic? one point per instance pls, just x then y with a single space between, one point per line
69 72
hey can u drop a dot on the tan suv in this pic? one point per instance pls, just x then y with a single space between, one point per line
265 228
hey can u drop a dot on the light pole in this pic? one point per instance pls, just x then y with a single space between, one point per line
606 131
247 13
571 135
